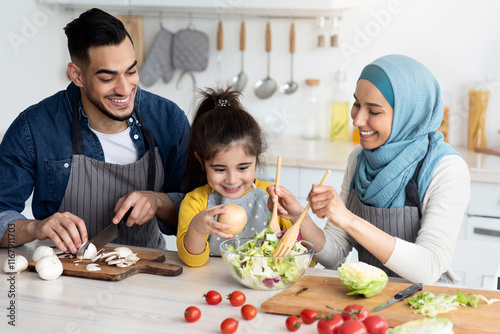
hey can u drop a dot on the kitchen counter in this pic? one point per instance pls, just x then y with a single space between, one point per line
324 154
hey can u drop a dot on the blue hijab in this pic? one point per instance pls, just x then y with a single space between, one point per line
383 173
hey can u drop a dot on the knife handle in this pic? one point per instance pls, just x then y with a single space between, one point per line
408 291
125 217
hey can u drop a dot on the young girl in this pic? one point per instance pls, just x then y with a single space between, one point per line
224 149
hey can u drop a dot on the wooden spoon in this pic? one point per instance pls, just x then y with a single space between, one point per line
274 224
288 240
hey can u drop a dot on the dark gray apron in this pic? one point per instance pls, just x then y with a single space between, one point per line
402 222
254 203
95 186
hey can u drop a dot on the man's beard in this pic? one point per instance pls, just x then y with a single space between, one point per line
102 108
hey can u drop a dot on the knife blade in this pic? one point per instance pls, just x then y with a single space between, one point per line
400 296
104 237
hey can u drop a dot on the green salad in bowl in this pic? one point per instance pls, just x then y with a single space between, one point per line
251 263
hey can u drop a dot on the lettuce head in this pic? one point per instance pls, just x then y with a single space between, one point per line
360 278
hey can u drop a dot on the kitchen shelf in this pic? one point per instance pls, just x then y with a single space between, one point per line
216 8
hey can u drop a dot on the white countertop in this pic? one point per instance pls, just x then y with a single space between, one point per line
325 154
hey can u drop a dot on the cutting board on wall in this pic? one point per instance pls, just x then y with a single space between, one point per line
315 292
150 262
135 28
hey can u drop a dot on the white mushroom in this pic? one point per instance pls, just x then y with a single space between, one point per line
49 267
123 251
89 252
15 265
97 255
42 251
93 267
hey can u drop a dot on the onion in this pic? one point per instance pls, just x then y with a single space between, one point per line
235 216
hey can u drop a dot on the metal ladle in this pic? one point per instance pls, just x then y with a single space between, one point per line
240 80
290 86
266 87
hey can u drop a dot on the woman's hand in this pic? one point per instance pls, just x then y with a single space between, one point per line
325 202
288 206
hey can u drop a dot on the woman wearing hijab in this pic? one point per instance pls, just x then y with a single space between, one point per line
405 190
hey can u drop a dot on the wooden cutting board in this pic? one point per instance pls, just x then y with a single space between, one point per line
315 292
135 28
150 262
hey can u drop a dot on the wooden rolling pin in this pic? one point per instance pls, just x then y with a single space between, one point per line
486 151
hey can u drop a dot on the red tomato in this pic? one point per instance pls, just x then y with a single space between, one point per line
229 326
352 326
237 298
293 323
192 314
213 297
308 316
248 312
376 324
330 324
356 311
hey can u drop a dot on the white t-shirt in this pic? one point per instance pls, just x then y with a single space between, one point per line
118 147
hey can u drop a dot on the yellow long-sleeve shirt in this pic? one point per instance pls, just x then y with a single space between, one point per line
195 202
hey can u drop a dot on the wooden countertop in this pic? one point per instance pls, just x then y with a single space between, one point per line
324 154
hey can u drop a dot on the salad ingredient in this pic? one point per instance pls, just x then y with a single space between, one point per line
89 252
15 265
235 216
192 314
213 297
352 326
42 251
308 316
355 311
293 323
424 325
228 326
237 298
49 267
93 267
330 324
430 305
252 265
360 278
376 324
248 312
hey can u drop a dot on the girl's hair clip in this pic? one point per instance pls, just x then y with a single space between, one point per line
222 103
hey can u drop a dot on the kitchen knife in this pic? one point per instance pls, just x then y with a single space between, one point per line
400 296
107 235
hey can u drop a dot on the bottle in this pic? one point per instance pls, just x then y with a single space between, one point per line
339 110
311 110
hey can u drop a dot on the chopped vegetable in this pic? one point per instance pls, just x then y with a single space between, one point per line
362 279
424 326
430 305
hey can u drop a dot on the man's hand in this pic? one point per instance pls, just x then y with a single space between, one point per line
145 204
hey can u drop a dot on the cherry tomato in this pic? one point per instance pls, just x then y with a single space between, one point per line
192 314
228 326
237 298
293 323
213 297
376 324
248 312
352 326
358 312
330 324
308 316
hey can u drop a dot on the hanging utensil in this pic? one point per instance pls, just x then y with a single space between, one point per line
220 42
240 80
291 86
274 224
265 88
290 238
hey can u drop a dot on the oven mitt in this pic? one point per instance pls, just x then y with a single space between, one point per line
159 60
190 50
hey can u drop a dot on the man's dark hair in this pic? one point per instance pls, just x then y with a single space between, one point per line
93 28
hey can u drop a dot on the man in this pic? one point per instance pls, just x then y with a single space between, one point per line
94 150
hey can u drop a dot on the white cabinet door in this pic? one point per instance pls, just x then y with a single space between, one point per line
485 200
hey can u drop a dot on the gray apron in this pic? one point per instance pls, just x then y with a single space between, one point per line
402 222
95 186
254 203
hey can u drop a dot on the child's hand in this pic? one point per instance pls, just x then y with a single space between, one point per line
288 206
204 223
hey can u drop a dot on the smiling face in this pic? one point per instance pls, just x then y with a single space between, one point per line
108 85
231 172
372 114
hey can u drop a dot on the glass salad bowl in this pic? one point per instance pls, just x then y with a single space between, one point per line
251 263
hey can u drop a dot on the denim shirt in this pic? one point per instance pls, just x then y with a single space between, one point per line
36 151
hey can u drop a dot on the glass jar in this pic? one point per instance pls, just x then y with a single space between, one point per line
311 110
339 110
